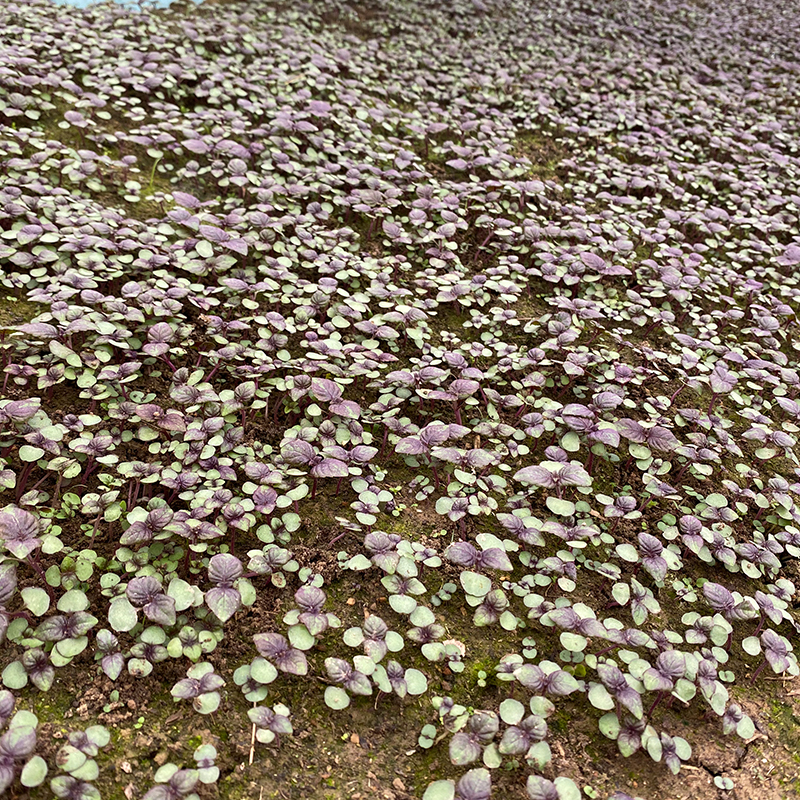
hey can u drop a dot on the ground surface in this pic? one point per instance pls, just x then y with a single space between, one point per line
255 259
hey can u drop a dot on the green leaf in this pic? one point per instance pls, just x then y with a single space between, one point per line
353 637
23 719
73 600
564 508
88 772
300 638
199 671
601 699
224 602
492 757
165 772
573 642
122 616
571 442
50 545
358 563
746 729
364 664
36 600
34 772
539 755
402 603
69 758
719 699
627 552
262 670
15 676
427 736
508 621
394 642
65 354
609 726
69 648
99 735
416 682
567 789
475 584
621 593
30 453
182 593
682 748
139 667
440 790
541 706
751 645
206 703
336 698
639 451
654 747
684 690
204 249
511 711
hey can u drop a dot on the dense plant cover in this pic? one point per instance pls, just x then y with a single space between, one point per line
525 270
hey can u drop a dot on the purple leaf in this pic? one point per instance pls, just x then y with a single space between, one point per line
535 475
719 598
631 430
540 788
266 718
464 749
298 452
224 569
494 558
237 245
330 468
8 582
474 785
531 677
141 591
161 610
196 146
722 380
462 553
660 438
18 742
19 531
214 234
224 602
325 391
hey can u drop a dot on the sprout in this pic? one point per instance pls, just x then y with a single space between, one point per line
552 475
274 647
270 722
476 784
224 599
561 788
350 679
148 594
466 746
200 686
